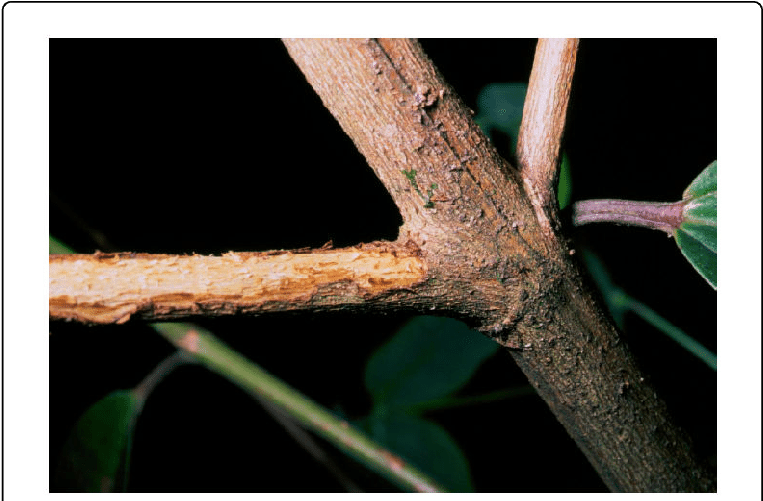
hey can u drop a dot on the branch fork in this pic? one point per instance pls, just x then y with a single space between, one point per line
449 259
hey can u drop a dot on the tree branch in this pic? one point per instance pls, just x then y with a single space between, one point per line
483 251
545 111
110 288
418 137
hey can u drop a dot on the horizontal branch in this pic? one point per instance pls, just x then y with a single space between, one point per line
110 288
483 251
666 217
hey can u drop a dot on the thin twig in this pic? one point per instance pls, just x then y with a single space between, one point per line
219 358
545 111
666 217
307 442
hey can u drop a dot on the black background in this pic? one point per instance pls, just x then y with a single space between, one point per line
207 146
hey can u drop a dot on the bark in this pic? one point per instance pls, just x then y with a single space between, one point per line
402 116
479 242
543 118
111 288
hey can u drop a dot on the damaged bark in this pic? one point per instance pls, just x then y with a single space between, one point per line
479 243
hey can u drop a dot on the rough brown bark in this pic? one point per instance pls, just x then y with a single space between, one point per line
391 101
484 254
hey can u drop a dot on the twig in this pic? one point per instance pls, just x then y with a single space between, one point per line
545 111
219 358
307 442
666 217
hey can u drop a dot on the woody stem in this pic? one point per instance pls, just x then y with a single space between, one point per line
657 216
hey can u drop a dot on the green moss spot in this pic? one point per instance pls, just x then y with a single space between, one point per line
411 176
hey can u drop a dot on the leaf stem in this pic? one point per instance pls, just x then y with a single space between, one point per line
144 389
219 358
618 301
686 341
655 215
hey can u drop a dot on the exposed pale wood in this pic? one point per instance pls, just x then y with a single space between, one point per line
481 249
401 114
110 288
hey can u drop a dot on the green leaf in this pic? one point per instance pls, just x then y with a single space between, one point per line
705 183
699 255
564 186
500 107
424 444
428 358
94 457
697 234
56 247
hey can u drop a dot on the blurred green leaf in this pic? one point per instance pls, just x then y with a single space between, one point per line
427 358
697 234
56 247
424 444
95 455
564 186
500 107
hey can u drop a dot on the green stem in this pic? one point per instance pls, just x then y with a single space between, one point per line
140 393
618 302
689 343
219 358
144 389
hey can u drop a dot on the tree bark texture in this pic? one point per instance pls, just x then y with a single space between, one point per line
476 244
391 101
543 120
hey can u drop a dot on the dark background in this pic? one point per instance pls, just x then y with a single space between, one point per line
207 146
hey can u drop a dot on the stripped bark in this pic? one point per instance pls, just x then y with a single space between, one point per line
473 246
111 288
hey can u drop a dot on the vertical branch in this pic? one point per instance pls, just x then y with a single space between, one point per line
545 111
